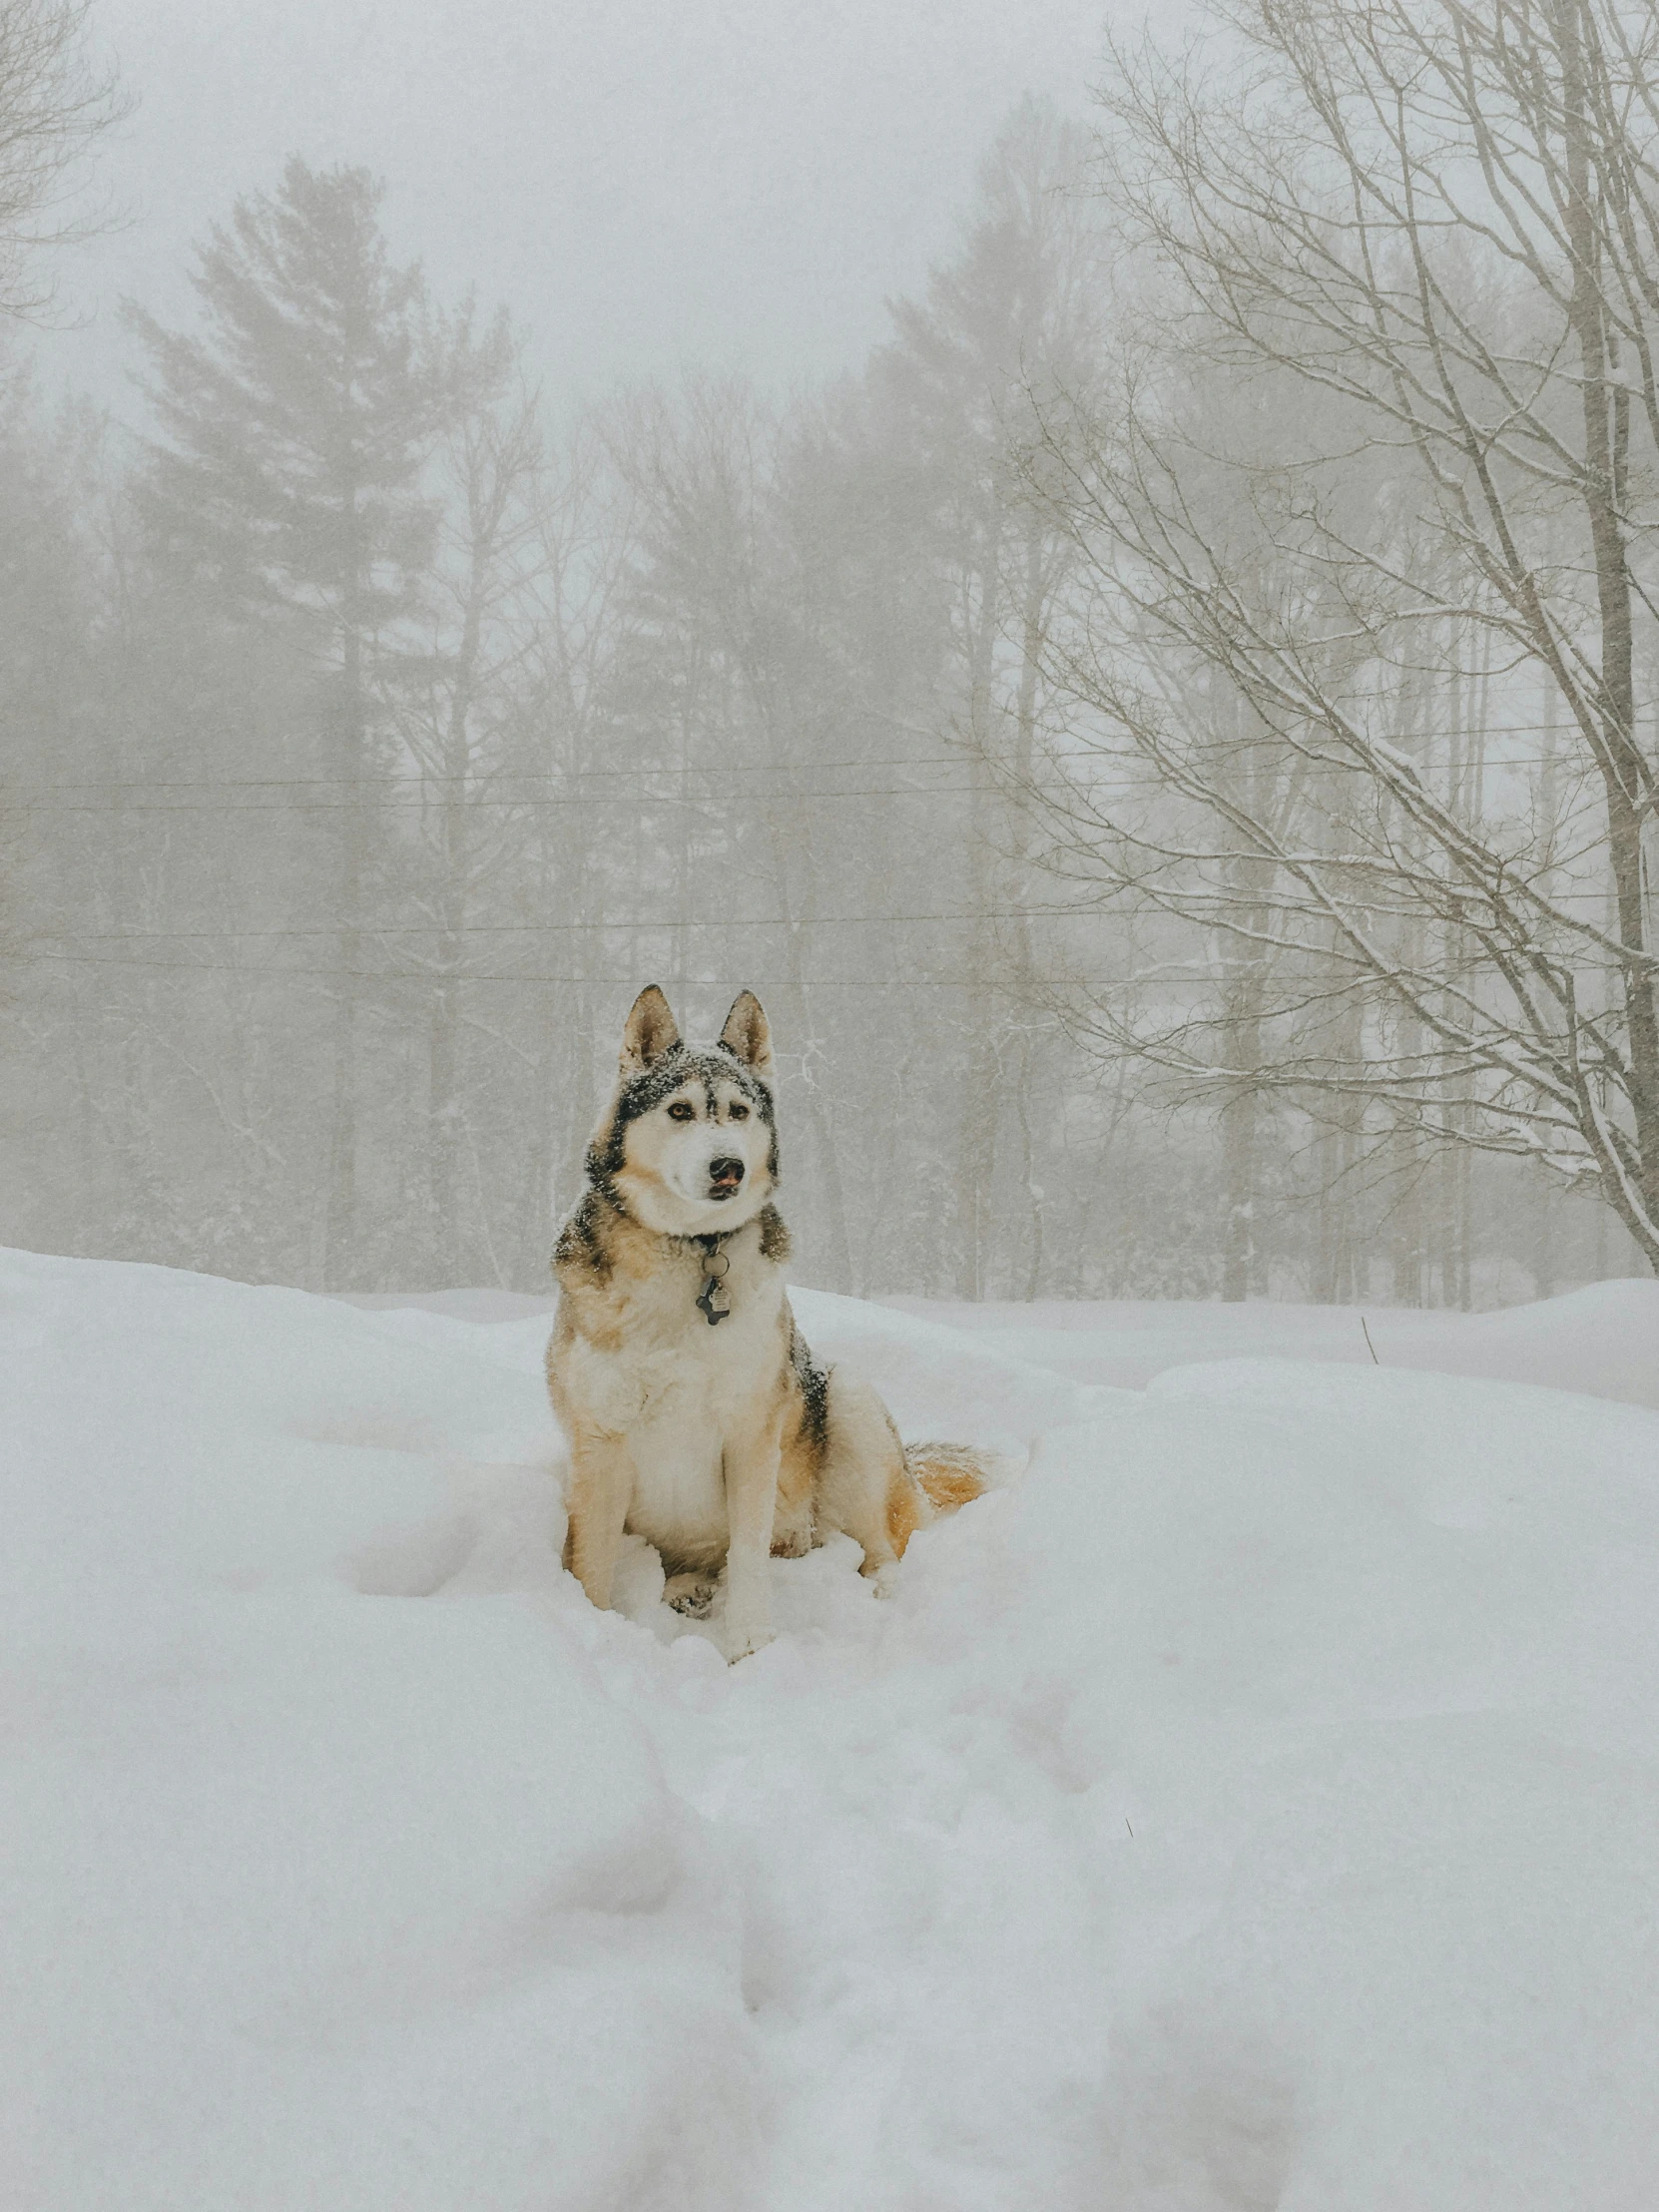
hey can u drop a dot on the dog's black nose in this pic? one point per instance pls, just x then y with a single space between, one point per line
726 1171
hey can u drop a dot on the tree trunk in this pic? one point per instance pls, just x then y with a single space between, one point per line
444 1102
339 1254
1238 1153
977 1130
1606 412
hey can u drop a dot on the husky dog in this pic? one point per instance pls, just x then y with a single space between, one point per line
695 1414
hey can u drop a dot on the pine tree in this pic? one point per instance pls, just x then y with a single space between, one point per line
287 484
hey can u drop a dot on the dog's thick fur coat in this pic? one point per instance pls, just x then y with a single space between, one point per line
695 1414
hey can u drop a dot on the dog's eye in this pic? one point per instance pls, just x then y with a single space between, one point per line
737 1113
679 1111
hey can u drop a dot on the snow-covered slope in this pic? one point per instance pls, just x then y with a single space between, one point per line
1250 1805
1604 1339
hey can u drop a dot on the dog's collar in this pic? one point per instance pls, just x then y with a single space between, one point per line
712 1301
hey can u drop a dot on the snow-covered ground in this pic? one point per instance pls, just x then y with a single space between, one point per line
1603 1340
1254 1804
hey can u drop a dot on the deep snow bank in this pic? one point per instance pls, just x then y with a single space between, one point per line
1251 1806
333 1877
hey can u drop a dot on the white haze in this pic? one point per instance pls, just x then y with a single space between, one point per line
649 184
327 885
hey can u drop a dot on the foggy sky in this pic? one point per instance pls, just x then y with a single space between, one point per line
736 182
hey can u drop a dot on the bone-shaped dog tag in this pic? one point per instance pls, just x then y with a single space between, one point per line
712 1303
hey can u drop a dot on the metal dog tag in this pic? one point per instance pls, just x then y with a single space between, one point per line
712 1312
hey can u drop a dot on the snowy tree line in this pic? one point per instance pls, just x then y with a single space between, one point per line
1170 740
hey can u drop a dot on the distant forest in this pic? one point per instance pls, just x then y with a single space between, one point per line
1171 741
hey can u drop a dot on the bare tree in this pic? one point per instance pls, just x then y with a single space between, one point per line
1010 322
459 709
1425 234
728 674
52 105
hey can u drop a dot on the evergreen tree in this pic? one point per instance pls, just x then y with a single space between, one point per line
288 484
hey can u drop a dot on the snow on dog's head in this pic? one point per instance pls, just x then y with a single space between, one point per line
689 1143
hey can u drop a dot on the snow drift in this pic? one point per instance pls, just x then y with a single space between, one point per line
1252 1804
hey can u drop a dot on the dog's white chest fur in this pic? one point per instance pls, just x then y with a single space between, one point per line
677 1390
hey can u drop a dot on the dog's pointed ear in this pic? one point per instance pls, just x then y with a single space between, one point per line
650 1033
748 1037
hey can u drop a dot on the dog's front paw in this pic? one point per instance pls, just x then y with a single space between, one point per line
691 1594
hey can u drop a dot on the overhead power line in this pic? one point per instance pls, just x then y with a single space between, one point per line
534 929
484 793
485 776
410 804
489 779
434 977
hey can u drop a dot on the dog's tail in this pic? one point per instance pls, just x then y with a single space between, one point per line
949 1476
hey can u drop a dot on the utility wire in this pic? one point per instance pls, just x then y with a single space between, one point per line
474 776
486 798
488 780
411 805
620 982
532 929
